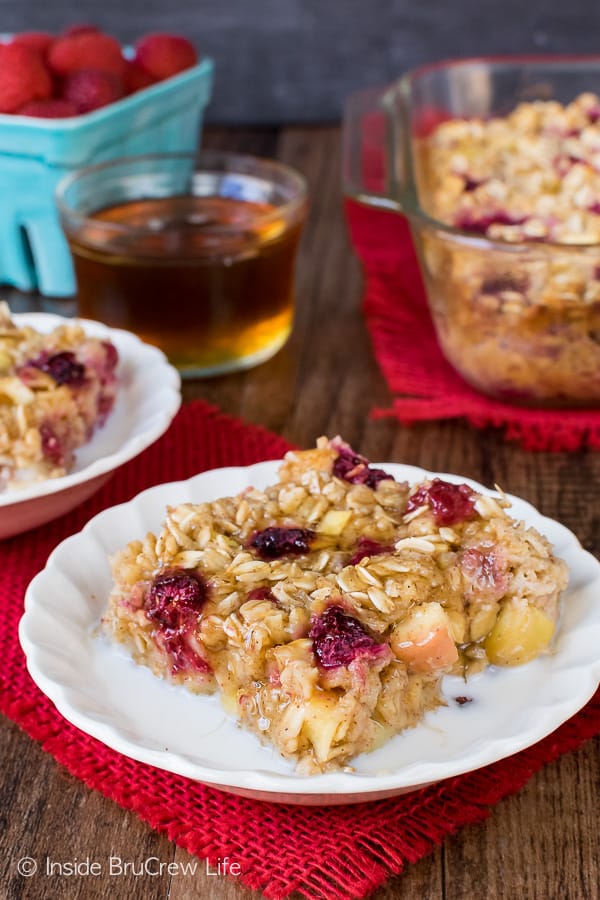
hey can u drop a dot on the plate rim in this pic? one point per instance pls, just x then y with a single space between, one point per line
276 783
147 354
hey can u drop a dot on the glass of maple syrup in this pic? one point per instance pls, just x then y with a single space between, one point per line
193 253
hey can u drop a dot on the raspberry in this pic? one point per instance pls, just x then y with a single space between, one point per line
471 184
81 28
353 467
112 356
366 547
137 78
183 657
175 599
338 639
163 55
449 503
593 113
274 542
486 571
502 283
87 50
90 89
479 223
174 602
23 77
48 109
51 446
63 367
262 593
39 41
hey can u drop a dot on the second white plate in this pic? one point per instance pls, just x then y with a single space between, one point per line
147 399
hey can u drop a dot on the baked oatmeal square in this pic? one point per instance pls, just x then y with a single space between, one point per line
55 390
326 608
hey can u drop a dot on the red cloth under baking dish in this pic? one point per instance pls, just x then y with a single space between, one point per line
327 853
424 385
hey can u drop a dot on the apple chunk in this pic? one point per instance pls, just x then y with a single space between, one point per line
334 521
520 634
324 715
424 639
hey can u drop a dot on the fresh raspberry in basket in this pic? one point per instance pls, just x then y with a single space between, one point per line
48 109
81 28
273 542
89 89
338 639
137 78
355 468
449 503
175 599
87 50
24 77
40 41
163 55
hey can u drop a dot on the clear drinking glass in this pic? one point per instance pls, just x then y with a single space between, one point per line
542 348
195 254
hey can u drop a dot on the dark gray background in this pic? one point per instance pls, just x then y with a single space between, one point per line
295 60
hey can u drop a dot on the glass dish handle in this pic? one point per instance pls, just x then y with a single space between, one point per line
371 148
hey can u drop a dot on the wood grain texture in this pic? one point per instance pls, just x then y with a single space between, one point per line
296 60
543 843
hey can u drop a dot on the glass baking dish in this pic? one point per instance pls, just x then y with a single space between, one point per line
519 320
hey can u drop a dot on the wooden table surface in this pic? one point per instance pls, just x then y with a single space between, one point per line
542 843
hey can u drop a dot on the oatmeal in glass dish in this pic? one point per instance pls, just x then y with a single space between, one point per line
521 326
55 390
326 609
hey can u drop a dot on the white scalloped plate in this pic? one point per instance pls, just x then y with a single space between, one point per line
147 400
97 687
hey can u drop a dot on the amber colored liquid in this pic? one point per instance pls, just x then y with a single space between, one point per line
201 277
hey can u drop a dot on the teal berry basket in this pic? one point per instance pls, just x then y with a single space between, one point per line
36 153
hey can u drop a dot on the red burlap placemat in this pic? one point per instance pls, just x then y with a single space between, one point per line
424 385
327 853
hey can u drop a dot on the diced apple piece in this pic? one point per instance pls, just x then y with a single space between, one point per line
14 392
299 650
424 639
296 463
520 634
483 621
458 625
290 726
323 716
295 667
334 521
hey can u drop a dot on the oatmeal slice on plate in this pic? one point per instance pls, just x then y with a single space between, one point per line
326 608
55 390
